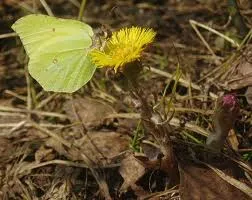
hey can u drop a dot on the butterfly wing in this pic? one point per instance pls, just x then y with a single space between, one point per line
58 51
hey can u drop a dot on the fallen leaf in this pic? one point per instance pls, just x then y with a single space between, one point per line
248 95
151 151
44 154
57 146
131 170
91 112
241 75
232 139
153 159
199 182
101 147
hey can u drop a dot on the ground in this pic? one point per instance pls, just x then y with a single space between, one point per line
110 140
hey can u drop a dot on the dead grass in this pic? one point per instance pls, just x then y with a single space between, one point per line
58 146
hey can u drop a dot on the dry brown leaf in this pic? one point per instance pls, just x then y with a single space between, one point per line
131 170
153 159
244 7
240 82
57 146
198 182
91 112
248 95
5 145
151 151
44 154
236 183
242 73
232 139
101 147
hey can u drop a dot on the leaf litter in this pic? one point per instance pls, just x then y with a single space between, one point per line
75 147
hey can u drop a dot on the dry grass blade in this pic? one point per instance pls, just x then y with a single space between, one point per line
26 193
99 179
47 8
164 194
23 5
174 122
29 102
46 101
82 8
18 126
37 112
181 81
243 165
15 95
8 35
51 134
75 3
101 182
194 24
64 162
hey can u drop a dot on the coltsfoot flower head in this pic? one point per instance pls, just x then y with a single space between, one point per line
125 46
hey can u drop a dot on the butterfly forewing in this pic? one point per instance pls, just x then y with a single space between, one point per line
58 51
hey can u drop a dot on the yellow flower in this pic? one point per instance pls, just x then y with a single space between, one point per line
123 47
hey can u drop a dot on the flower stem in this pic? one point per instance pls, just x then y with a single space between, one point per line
225 114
